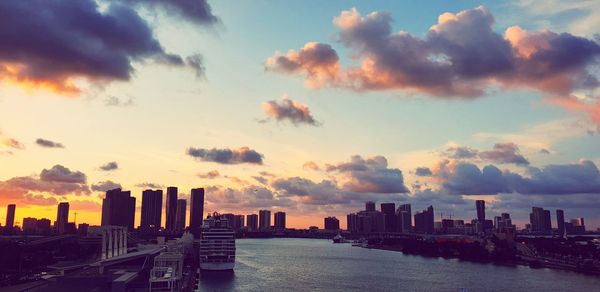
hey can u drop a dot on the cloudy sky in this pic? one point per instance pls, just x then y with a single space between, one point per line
310 107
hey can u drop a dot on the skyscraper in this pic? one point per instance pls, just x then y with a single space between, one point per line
171 208
196 209
370 206
389 217
151 209
10 215
264 219
180 215
560 221
352 222
331 223
252 222
118 209
424 221
238 222
540 220
480 204
62 217
29 225
279 220
404 216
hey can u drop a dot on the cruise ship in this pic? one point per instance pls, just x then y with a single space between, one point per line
217 245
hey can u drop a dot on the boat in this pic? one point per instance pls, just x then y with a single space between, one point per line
339 239
217 244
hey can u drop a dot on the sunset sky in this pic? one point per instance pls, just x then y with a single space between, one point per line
310 107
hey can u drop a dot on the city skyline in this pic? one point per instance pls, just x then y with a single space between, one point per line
311 118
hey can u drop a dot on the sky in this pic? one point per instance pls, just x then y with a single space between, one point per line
307 107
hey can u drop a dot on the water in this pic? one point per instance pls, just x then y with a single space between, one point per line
319 265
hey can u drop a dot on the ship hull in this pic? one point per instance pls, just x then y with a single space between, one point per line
217 266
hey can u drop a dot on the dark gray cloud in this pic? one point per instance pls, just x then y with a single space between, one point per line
289 110
460 152
104 186
468 179
110 166
59 173
504 153
197 11
48 144
423 171
370 175
558 179
261 180
50 43
227 156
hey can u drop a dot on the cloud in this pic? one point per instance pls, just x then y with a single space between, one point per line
246 198
289 110
117 102
48 144
210 175
504 153
196 11
558 179
39 200
460 152
104 186
423 171
461 56
227 156
53 44
59 173
84 205
467 179
261 180
110 166
311 165
370 175
148 185
13 143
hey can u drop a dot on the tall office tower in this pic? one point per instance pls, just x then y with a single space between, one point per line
118 209
279 220
480 204
370 206
252 222
196 209
547 222
171 208
424 221
10 215
238 222
180 215
352 222
264 219
540 220
389 217
560 221
151 209
62 217
331 223
404 216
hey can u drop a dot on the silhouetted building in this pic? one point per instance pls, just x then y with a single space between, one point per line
264 219
424 221
230 219
82 229
332 223
196 209
540 220
389 217
238 222
10 216
575 226
171 208
480 204
44 226
29 225
560 221
70 228
252 222
118 209
352 222
180 215
151 209
404 218
62 217
503 223
279 220
370 206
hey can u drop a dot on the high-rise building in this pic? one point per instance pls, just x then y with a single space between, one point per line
424 221
180 215
540 220
370 206
279 220
264 219
29 225
82 229
171 208
196 209
62 218
480 204
252 222
404 216
151 209
238 222
230 219
118 209
43 226
331 223
352 222
10 215
547 221
389 217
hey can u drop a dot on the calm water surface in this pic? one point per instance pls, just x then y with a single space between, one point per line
319 265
